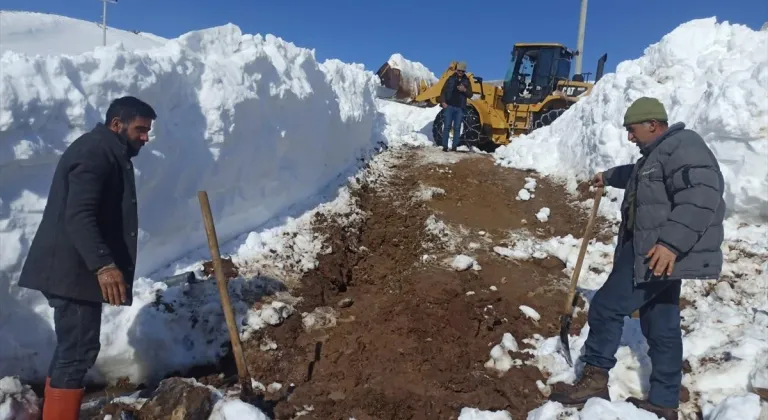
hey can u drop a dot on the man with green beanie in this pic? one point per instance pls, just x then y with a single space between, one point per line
671 229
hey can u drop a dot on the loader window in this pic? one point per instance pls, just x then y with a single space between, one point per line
519 80
563 68
544 77
510 71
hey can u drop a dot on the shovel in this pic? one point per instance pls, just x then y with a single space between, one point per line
570 303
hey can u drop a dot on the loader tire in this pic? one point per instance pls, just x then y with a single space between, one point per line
470 130
547 118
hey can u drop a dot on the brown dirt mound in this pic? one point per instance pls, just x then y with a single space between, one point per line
413 344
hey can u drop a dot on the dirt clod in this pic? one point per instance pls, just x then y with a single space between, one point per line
177 399
230 269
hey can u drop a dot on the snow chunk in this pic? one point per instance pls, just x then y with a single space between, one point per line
524 247
740 407
425 193
594 409
17 401
464 262
530 312
724 291
543 214
530 184
523 194
273 314
320 317
235 409
500 359
477 414
444 233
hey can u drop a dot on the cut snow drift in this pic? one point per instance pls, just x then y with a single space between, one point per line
711 76
39 33
229 107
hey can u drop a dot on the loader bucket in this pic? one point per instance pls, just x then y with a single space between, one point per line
399 87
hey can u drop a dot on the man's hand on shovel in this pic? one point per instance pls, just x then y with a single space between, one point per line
570 303
598 180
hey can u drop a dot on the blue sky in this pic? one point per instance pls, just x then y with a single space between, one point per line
432 32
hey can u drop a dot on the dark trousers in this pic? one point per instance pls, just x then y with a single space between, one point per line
659 305
78 327
452 117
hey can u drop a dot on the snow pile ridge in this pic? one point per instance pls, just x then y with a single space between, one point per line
711 76
253 120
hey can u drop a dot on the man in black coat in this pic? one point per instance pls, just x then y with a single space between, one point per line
453 99
84 251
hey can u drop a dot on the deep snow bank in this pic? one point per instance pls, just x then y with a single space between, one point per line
405 125
254 120
40 33
712 76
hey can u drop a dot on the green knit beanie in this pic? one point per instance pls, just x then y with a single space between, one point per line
645 109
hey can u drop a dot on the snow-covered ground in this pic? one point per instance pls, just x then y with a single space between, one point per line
714 77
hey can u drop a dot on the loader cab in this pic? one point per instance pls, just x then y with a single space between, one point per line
534 71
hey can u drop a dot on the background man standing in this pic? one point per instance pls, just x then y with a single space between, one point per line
453 99
84 251
671 229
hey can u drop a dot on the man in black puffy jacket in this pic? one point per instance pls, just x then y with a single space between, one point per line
453 99
671 229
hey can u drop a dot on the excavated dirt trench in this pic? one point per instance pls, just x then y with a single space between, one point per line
413 343
411 335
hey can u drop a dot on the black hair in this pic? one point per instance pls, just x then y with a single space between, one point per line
127 109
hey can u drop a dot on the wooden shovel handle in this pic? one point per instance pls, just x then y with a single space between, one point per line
221 283
568 308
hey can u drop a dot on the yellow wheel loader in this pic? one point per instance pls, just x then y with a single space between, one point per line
535 91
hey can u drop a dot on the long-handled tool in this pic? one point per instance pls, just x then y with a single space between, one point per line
221 282
570 303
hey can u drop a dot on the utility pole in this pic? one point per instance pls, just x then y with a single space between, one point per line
580 39
104 19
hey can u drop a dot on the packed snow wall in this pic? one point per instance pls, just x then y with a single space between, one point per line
711 76
253 120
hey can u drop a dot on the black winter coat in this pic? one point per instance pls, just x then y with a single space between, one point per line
90 220
452 96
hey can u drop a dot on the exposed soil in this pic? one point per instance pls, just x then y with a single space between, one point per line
409 336
413 342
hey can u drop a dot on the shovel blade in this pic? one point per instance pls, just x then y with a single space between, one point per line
565 347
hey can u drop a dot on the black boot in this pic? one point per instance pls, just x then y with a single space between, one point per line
593 383
664 413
